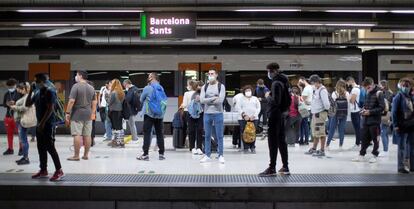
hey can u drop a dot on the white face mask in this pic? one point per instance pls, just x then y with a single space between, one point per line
211 78
12 90
248 93
270 75
77 79
188 88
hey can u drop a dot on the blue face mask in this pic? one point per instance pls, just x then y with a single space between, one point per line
405 90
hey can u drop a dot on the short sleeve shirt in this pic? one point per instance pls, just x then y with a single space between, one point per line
83 94
308 92
354 107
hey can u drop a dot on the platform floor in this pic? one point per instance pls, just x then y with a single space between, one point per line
106 160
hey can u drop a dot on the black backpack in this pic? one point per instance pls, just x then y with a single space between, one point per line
126 110
136 102
341 107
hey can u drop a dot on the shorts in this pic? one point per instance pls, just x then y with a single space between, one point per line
318 124
81 128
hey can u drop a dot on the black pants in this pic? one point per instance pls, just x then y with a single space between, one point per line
195 132
276 139
46 144
149 123
263 112
368 134
186 117
236 136
116 120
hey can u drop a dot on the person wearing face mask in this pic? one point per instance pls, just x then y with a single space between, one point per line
402 112
248 109
386 118
79 111
212 96
278 105
9 99
191 88
260 93
354 107
132 97
152 119
319 109
374 106
306 97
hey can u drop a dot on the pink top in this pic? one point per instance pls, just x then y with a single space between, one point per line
293 109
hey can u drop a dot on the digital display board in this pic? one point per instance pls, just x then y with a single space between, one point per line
160 25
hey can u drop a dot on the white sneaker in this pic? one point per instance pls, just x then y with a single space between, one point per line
383 154
355 148
221 160
234 146
373 159
360 158
205 159
199 151
194 151
340 149
327 148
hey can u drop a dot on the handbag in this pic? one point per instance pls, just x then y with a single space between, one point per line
28 119
249 133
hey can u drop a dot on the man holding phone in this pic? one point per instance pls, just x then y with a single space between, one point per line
371 112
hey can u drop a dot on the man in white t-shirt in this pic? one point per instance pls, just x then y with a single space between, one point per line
354 108
307 93
103 109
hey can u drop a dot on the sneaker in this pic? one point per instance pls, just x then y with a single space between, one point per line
40 174
194 151
245 151
221 160
199 151
373 159
57 176
234 146
20 152
355 148
360 158
383 154
284 171
23 161
205 159
310 151
327 148
143 157
8 152
268 172
161 157
253 151
340 149
403 171
319 153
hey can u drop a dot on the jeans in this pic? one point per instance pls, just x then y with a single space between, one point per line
23 140
406 149
149 123
340 123
33 132
195 132
46 144
215 119
356 123
108 128
369 133
276 139
247 146
384 136
132 128
304 131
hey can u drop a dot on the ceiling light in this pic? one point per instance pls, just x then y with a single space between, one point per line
223 24
403 11
357 11
267 10
298 24
407 31
97 24
45 10
114 11
351 24
44 24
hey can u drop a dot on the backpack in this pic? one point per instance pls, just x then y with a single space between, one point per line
332 108
341 104
126 110
157 101
362 96
249 133
136 103
286 100
194 109
385 115
59 112
177 120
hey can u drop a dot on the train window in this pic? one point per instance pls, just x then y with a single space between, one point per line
138 78
402 62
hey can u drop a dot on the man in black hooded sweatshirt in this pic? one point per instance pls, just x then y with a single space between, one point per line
278 105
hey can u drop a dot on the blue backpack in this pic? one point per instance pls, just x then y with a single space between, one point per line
157 102
362 95
194 109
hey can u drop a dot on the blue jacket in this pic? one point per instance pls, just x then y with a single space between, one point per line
399 107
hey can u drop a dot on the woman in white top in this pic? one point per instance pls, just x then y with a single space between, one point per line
248 107
341 98
188 95
29 113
